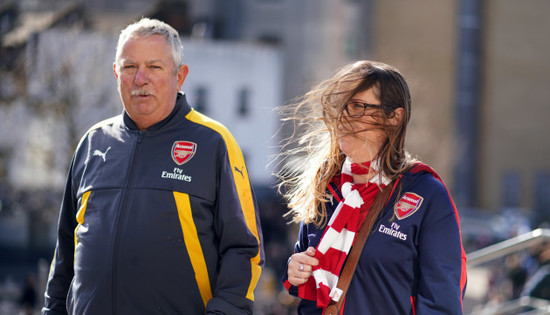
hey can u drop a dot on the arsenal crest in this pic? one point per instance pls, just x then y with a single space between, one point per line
183 151
407 205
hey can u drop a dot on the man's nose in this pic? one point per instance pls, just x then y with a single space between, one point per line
141 76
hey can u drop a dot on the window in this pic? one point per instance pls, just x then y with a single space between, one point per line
4 157
511 190
201 100
243 103
541 203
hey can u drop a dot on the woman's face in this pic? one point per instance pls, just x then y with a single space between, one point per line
362 137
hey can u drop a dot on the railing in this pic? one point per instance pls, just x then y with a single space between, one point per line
524 305
508 246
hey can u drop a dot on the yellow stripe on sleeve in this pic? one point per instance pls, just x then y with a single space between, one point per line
242 184
80 214
194 249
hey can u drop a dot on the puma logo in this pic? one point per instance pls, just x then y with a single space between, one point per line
240 171
102 154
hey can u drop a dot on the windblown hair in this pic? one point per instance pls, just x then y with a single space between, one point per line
148 27
312 157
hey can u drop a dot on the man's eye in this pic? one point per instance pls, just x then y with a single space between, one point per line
128 67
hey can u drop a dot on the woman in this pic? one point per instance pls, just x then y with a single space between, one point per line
351 147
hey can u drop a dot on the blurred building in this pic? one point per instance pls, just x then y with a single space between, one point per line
433 42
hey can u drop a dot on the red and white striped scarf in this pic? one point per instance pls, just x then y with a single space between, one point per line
340 232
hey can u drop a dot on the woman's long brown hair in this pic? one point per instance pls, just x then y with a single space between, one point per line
311 157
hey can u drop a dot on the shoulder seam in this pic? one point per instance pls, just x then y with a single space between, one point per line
97 126
102 123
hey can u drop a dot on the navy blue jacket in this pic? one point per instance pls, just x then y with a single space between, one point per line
161 221
413 261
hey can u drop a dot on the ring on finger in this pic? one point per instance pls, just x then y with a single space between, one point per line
301 267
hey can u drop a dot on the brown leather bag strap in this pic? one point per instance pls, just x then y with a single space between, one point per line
355 252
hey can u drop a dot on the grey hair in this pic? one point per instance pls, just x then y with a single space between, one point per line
147 27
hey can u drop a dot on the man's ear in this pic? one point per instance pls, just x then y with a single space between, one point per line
182 74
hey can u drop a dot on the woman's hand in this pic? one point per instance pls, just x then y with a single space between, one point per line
300 266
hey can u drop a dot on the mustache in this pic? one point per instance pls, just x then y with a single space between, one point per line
142 92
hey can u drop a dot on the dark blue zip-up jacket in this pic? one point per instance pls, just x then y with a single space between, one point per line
413 261
162 221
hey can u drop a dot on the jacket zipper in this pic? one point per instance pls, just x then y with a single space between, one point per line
121 218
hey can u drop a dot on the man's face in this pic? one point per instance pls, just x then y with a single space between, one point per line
147 82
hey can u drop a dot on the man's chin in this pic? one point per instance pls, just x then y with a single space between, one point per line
141 108
142 103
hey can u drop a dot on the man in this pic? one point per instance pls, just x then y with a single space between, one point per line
158 216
